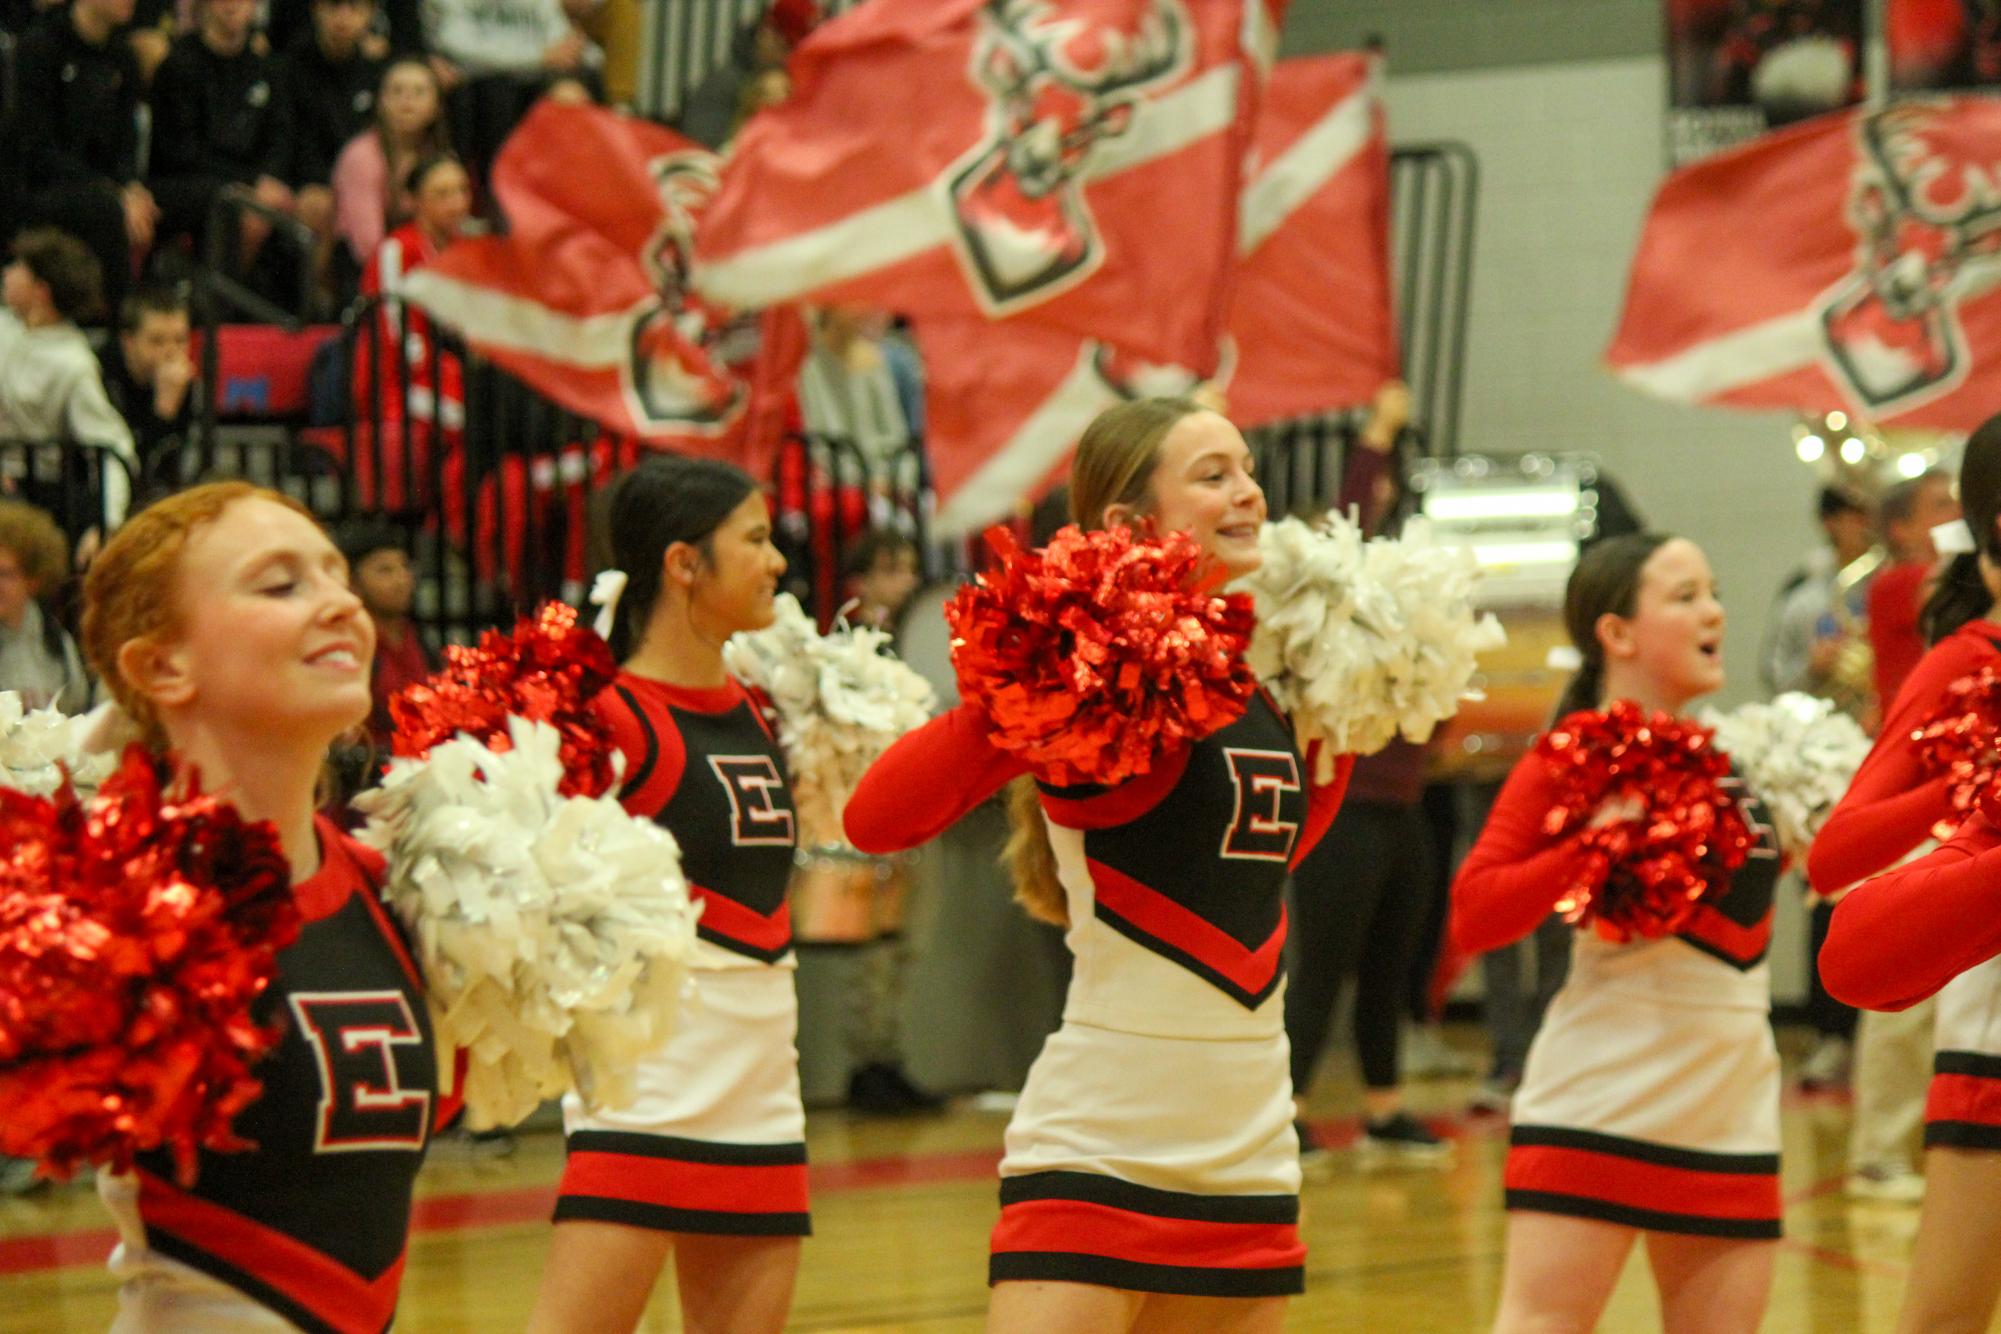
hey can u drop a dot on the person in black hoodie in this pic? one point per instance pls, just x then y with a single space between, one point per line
71 143
216 123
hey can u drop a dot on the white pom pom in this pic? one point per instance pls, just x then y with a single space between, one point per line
841 702
1797 754
554 932
1361 641
36 747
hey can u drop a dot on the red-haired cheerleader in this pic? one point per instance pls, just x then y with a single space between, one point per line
1650 1101
1888 947
710 1162
1152 1175
221 620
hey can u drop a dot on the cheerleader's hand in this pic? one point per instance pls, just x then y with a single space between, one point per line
1617 810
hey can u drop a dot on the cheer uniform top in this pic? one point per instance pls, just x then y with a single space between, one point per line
1889 811
312 1224
716 1140
1651 1093
1152 1149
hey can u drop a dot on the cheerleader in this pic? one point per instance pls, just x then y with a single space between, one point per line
221 620
710 1162
1889 948
1650 1100
1151 1176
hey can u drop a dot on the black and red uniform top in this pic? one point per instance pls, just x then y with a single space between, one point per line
1893 802
313 1223
704 765
1514 875
1187 861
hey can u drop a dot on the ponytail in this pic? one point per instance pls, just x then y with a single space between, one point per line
1585 687
1959 596
1031 860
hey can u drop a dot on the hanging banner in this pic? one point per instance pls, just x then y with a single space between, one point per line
1737 68
1943 44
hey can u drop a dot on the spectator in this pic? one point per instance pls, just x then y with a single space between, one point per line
882 570
151 36
50 387
216 122
753 79
409 127
378 564
1911 509
38 659
422 388
1810 645
72 139
508 53
149 372
329 75
398 24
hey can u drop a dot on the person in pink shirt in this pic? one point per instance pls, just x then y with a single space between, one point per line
409 127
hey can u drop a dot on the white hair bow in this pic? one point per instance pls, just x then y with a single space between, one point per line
606 590
1953 539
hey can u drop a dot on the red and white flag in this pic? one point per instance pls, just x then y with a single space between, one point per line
586 299
1311 322
1070 163
1851 262
1311 326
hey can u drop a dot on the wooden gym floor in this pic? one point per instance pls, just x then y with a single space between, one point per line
902 1209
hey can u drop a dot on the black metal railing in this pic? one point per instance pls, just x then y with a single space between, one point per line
1434 196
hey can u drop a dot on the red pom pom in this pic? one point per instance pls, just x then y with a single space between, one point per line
1100 653
1961 739
1645 876
136 933
549 670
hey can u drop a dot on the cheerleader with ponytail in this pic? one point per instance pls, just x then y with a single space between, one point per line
1649 1105
709 1163
1927 927
1151 1177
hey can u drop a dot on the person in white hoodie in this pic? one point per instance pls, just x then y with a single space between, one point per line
51 390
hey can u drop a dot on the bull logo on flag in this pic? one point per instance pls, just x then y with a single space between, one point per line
667 391
1059 85
1921 215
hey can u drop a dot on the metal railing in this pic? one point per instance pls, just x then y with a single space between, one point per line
1434 196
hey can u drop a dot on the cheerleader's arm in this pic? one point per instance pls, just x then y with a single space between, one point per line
1515 874
1892 804
1897 939
924 783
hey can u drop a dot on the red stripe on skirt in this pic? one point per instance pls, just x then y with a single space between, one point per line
1964 1098
673 1184
1641 1185
1098 1229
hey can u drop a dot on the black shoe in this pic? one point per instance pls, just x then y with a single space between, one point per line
1400 1139
914 1098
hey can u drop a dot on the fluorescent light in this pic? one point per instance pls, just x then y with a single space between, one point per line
1810 448
1910 465
1837 421
1524 553
1852 450
1501 504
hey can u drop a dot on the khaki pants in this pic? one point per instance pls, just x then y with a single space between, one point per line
1891 1076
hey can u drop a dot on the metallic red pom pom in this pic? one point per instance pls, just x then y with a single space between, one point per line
136 934
1100 653
548 670
1961 740
1645 877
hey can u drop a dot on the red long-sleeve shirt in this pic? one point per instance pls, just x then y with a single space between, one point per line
1893 803
1515 873
931 777
1900 937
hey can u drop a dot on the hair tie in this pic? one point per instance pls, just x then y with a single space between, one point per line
1954 539
606 590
